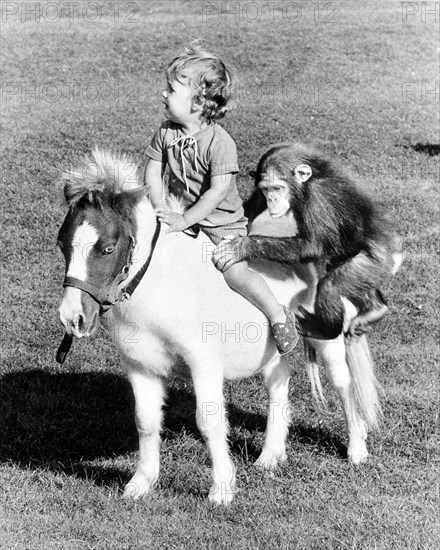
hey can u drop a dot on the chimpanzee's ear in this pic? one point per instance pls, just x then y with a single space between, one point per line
253 174
302 172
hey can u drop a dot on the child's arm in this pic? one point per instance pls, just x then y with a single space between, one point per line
153 180
206 204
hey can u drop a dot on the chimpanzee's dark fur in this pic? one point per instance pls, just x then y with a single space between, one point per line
338 223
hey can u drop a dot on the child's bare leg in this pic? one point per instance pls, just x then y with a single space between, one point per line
255 289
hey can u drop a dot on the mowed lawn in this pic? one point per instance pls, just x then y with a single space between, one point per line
359 79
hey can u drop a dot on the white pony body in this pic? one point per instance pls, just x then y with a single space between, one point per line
184 304
183 319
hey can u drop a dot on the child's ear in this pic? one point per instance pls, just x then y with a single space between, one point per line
197 103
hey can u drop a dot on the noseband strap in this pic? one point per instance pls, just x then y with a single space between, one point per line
112 293
98 294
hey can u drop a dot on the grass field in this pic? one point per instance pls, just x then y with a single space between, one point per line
360 80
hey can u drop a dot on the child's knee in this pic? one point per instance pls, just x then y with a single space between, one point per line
236 275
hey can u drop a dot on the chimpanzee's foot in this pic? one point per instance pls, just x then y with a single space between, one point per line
358 327
364 323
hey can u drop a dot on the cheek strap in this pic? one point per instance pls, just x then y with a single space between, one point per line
111 293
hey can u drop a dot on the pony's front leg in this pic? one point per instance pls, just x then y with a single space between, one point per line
148 394
276 380
333 354
213 425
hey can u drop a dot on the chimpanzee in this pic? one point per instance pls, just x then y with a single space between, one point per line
337 223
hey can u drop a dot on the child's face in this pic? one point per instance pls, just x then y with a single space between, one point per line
178 102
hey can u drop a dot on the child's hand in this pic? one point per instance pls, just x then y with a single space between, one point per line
175 221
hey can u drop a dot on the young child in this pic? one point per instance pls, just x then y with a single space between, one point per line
202 162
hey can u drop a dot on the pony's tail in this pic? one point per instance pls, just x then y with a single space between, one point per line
365 385
313 372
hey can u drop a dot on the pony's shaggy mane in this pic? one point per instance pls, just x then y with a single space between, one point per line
102 172
173 203
106 174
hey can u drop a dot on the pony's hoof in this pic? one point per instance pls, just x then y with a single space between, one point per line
132 492
221 494
357 454
270 461
137 488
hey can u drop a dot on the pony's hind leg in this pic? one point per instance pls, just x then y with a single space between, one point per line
213 425
276 377
334 358
149 394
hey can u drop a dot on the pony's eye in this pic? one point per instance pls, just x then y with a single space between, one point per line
108 249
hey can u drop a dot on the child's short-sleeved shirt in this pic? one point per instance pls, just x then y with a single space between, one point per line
214 153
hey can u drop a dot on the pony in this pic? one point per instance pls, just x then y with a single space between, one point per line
176 316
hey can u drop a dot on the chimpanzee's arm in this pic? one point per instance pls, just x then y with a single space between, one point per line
255 205
287 250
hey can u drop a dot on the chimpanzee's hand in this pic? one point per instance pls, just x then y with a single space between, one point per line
229 252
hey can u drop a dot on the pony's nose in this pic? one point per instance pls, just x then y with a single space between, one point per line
71 312
78 322
74 324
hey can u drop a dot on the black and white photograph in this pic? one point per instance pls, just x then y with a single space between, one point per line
220 275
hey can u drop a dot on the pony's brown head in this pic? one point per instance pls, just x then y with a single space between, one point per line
96 237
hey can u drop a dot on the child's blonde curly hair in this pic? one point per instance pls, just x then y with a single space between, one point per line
207 75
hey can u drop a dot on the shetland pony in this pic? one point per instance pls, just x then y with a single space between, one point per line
183 319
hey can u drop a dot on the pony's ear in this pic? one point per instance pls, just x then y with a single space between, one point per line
127 200
67 192
73 186
72 191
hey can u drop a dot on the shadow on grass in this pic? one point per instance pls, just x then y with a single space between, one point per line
430 149
61 422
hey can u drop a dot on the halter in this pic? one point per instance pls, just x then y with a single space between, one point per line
112 293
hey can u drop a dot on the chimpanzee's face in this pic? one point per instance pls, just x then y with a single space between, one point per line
277 193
